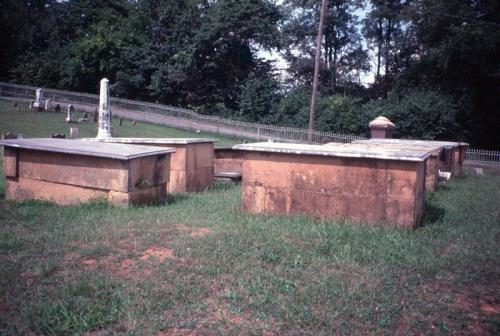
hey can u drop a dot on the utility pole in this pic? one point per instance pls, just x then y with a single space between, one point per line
316 69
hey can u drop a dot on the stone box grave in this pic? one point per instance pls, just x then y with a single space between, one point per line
382 186
74 171
228 160
432 163
192 165
451 158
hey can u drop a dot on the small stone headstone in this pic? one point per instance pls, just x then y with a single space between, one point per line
48 105
120 121
57 108
58 136
38 104
73 132
9 135
71 114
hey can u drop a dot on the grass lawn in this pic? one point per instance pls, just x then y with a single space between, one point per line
197 265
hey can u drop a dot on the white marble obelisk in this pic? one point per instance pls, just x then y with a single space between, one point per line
104 130
39 99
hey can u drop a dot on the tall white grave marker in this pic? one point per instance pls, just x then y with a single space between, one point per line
71 114
104 130
39 99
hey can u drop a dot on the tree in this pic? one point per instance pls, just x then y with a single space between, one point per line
259 95
456 51
74 44
343 55
382 28
418 113
225 47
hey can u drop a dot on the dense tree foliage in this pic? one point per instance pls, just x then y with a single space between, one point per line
435 63
343 55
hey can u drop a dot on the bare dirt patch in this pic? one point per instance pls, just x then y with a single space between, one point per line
88 262
478 302
193 232
124 261
217 314
158 253
201 232
493 309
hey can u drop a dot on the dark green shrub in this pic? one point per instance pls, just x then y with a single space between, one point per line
418 113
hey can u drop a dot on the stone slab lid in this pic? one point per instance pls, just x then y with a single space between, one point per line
338 150
436 150
442 144
381 122
163 141
79 147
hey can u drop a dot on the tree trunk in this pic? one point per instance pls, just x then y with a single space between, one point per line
316 69
388 37
379 49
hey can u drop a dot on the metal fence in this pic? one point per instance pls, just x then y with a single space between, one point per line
483 155
183 118
177 117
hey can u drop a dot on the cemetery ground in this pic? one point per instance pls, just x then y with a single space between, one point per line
196 265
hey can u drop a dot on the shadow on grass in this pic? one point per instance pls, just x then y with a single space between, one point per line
221 186
172 199
433 212
443 187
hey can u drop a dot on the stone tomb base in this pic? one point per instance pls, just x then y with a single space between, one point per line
70 178
192 165
228 160
432 163
451 157
364 190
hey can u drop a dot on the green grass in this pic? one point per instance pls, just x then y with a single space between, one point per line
196 264
42 124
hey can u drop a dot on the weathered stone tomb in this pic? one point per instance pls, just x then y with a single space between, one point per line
192 165
432 163
384 186
74 171
451 158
